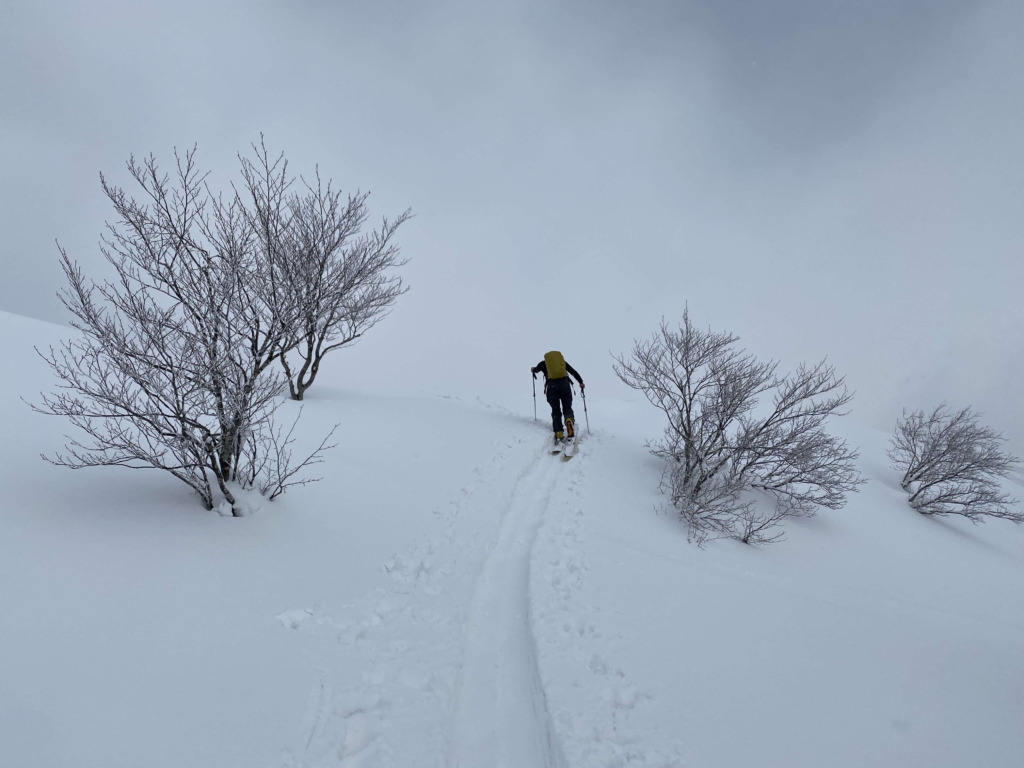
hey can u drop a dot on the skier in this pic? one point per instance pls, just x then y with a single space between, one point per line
559 392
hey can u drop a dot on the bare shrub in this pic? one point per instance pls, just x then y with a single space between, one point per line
724 449
172 367
951 464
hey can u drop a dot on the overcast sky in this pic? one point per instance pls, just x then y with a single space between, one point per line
818 177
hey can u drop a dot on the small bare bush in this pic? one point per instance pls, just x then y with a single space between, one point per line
172 368
951 464
724 449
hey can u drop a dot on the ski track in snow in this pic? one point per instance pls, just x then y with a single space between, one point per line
474 655
502 719
440 669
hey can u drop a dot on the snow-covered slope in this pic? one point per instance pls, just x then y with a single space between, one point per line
452 595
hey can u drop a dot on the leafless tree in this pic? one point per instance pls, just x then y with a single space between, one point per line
171 369
331 281
724 449
951 464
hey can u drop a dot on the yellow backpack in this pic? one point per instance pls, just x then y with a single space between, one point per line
555 364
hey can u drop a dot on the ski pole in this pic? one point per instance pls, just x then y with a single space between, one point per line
534 396
583 392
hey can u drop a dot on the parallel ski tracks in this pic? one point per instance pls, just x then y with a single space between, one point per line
502 718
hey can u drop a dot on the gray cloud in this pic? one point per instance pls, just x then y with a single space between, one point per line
819 177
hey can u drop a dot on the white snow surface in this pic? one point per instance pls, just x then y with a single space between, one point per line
451 594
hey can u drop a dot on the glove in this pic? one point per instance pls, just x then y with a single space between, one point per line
582 386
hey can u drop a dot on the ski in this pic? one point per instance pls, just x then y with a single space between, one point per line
569 449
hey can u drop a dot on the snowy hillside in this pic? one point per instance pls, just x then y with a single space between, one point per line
452 595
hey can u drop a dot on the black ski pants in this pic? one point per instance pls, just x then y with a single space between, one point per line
559 394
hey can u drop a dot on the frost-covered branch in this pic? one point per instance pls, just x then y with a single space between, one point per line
951 464
721 445
330 281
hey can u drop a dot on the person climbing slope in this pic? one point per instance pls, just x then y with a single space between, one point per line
558 390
